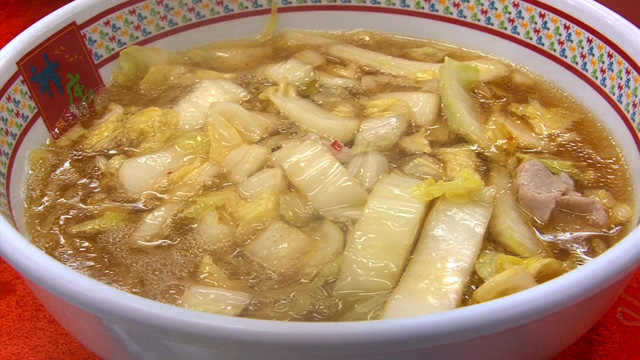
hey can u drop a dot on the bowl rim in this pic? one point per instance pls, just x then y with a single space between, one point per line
440 328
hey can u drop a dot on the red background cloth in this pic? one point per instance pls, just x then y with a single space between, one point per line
27 331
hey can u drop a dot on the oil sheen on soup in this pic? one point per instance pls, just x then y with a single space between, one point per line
316 176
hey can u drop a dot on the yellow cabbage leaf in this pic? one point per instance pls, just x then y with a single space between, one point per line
463 186
152 127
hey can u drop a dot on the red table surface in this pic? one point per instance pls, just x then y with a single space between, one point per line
27 331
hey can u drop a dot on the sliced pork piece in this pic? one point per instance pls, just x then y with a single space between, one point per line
592 208
540 192
538 189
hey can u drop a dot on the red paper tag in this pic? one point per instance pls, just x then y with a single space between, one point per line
62 78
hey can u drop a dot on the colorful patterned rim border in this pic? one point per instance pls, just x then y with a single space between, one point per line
535 25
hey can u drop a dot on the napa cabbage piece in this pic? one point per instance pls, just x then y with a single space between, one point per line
312 169
315 118
304 38
193 107
328 243
143 173
225 200
229 56
213 230
440 132
186 182
489 69
163 77
149 230
368 309
524 137
252 126
257 212
510 281
246 216
509 225
151 128
311 57
544 120
296 209
272 24
425 106
443 259
244 161
224 137
348 108
380 133
328 80
416 70
429 53
544 268
465 184
382 239
424 167
490 263
265 180
456 159
109 220
349 71
279 247
106 130
213 275
463 116
510 278
135 62
193 143
290 72
415 143
381 62
215 300
386 107
368 167
186 171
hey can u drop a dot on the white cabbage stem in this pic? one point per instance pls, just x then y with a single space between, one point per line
444 257
320 176
425 106
245 161
143 173
193 108
368 167
312 116
382 239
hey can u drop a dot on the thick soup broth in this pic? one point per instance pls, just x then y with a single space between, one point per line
319 176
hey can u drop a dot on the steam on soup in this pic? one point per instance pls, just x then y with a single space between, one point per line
327 176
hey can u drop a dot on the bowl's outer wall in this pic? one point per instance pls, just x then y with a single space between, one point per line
540 339
116 325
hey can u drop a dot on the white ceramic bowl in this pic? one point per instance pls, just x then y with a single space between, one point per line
584 48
